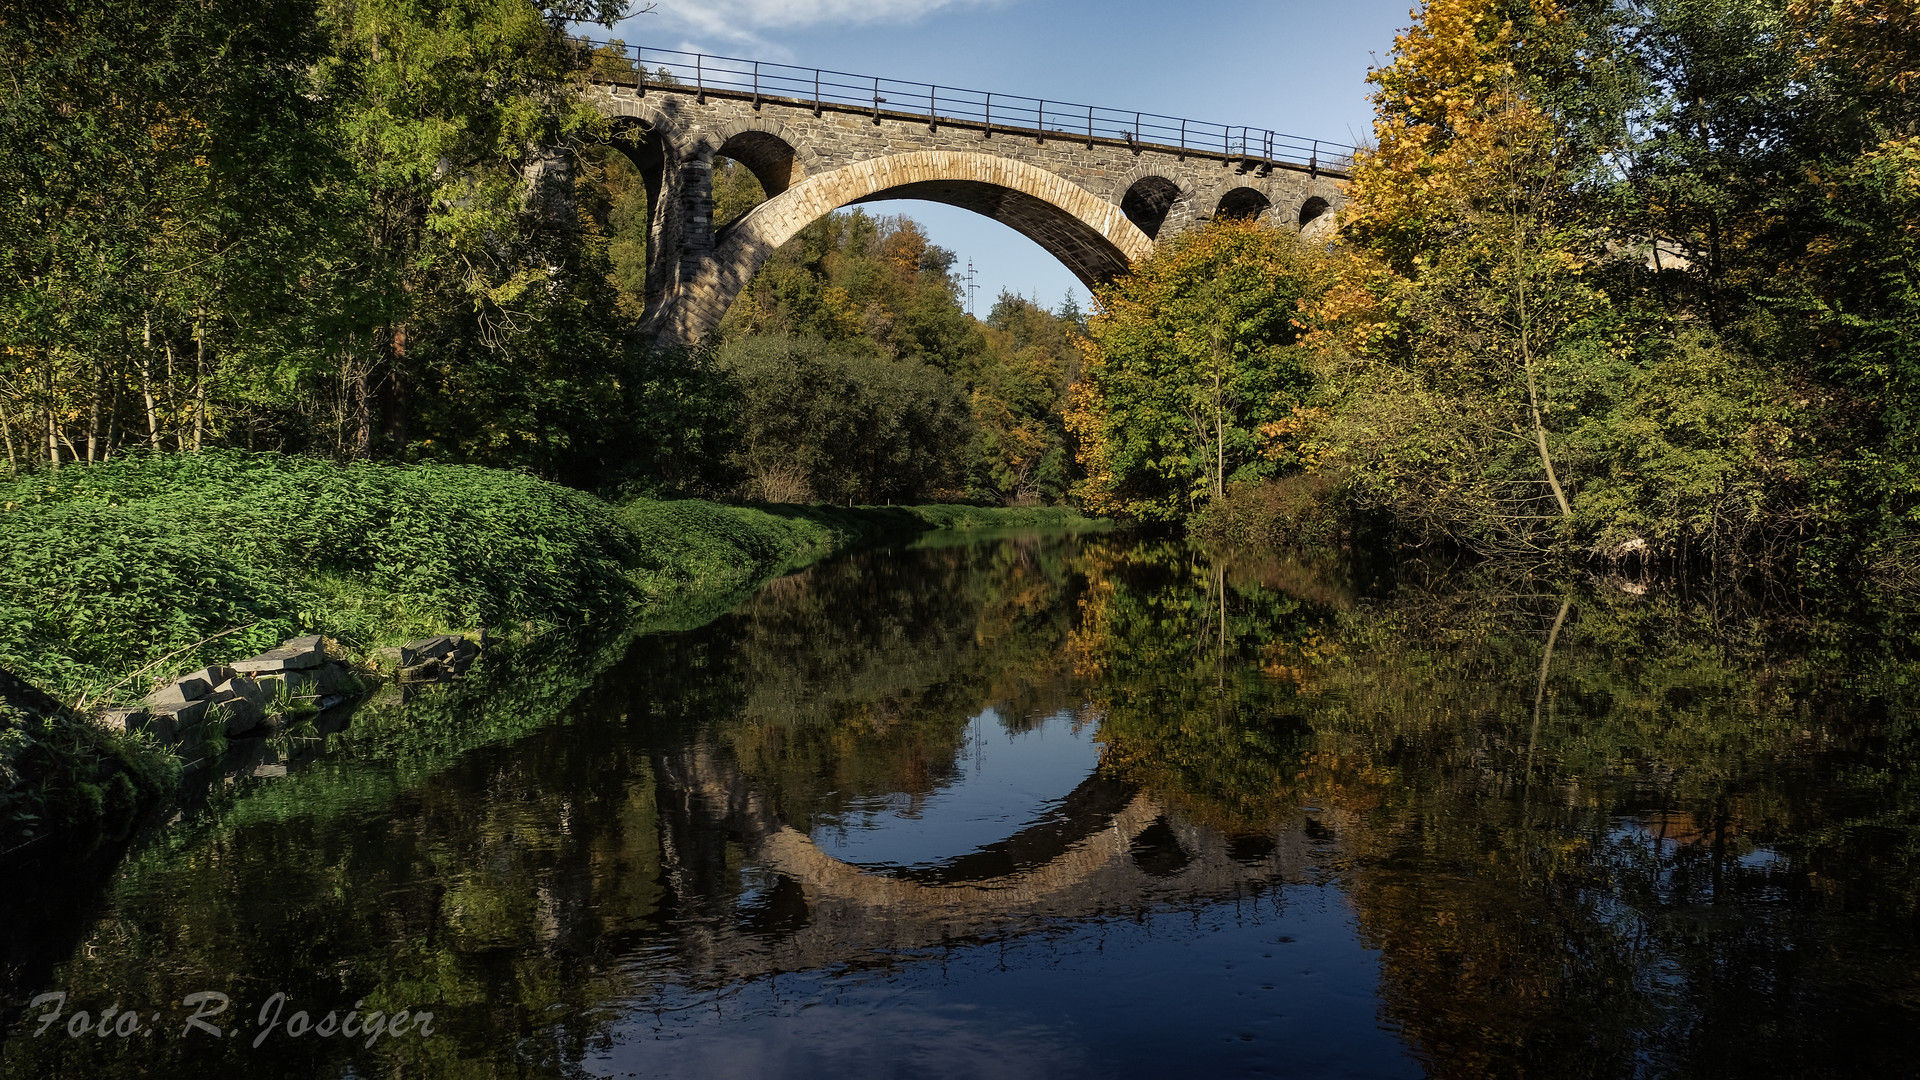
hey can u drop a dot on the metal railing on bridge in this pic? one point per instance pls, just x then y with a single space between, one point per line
934 105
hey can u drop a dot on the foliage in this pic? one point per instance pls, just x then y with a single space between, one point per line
877 286
1190 354
1628 281
841 424
116 567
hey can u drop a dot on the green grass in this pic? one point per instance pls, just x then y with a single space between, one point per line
114 575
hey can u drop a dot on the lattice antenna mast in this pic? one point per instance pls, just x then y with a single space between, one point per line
971 287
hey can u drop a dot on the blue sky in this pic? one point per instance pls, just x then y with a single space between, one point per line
1286 65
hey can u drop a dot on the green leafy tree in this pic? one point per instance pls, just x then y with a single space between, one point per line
1190 354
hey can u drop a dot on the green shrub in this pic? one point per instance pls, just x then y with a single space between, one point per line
106 568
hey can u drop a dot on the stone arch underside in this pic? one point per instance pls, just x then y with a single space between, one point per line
770 158
1243 204
1148 201
1089 235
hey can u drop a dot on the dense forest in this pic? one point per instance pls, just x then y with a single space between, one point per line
1618 279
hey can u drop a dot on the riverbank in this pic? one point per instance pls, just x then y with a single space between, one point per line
114 578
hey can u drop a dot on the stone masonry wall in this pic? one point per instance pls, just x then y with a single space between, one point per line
1069 194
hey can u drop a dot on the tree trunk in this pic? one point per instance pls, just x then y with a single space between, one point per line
1533 389
173 401
200 388
361 377
113 414
53 425
146 384
6 429
93 421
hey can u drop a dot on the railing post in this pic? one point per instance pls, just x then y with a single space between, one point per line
699 80
756 84
933 107
989 114
816 91
1183 138
1040 122
1089 127
640 71
1313 163
876 102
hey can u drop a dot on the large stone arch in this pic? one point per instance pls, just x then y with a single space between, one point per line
1088 234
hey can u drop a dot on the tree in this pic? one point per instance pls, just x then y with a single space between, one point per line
1189 355
840 423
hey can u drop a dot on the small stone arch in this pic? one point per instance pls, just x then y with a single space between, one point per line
768 150
1243 204
1312 209
1148 201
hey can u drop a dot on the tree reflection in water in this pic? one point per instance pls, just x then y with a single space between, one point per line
1581 832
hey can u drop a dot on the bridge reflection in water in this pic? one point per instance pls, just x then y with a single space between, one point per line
1106 848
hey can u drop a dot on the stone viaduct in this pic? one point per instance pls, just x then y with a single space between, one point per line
1096 199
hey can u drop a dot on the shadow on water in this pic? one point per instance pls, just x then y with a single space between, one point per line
1131 809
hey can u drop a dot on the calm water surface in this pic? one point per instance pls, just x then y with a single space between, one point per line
1053 807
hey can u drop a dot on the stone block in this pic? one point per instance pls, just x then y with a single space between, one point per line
284 658
311 641
426 672
256 691
266 771
395 657
433 648
189 738
286 684
176 716
124 719
214 675
236 710
332 679
180 691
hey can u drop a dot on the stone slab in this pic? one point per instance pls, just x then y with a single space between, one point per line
239 712
434 648
395 657
124 719
180 714
214 675
331 679
281 659
286 684
180 691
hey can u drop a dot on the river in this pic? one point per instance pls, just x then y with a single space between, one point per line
1053 806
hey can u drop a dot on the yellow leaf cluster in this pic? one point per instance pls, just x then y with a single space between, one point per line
1447 110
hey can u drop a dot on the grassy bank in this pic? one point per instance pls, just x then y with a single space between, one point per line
116 576
112 575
